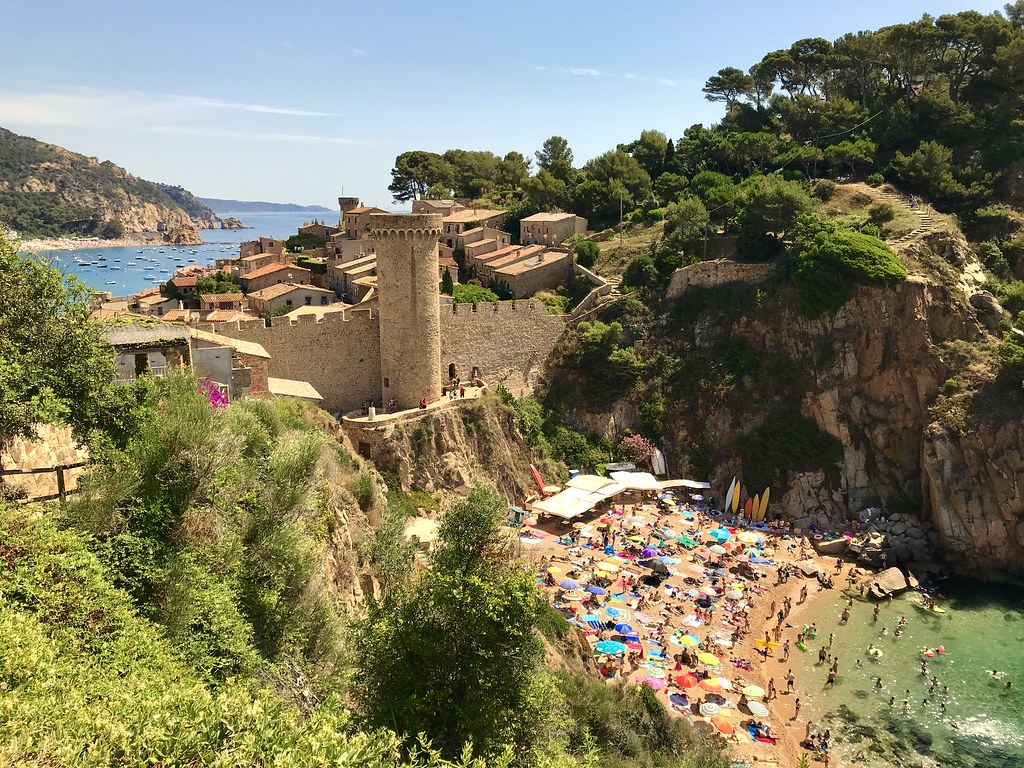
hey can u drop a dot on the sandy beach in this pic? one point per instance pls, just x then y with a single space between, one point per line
735 629
75 243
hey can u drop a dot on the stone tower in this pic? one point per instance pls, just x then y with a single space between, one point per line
409 302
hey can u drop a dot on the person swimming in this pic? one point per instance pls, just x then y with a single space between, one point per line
995 674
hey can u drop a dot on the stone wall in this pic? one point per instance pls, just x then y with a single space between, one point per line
339 354
52 447
508 341
711 273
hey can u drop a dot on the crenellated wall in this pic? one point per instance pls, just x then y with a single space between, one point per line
710 273
339 353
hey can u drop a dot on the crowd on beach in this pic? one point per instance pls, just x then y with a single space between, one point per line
671 596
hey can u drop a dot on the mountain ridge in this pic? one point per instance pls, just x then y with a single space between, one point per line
222 205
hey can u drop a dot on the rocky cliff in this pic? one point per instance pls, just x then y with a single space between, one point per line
884 410
49 191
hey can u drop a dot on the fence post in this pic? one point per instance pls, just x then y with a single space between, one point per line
60 482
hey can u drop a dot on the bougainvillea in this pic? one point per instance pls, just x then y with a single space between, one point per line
637 447
217 397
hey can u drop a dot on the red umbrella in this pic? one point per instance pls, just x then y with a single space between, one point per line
537 479
688 680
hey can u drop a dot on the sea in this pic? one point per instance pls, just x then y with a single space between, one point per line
982 726
126 270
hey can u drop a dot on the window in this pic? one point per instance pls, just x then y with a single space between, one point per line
288 302
309 301
387 382
323 301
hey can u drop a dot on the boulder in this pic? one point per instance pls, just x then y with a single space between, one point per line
891 581
988 310
809 568
835 547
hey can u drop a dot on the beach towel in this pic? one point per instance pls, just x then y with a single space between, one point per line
755 736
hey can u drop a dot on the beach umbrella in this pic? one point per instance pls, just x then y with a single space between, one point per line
717 549
709 591
749 537
712 684
624 629
579 526
678 699
734 594
689 641
695 570
687 680
596 590
757 709
708 658
654 683
649 552
613 612
753 691
696 497
568 584
709 710
721 722
610 646
720 535
573 596
669 560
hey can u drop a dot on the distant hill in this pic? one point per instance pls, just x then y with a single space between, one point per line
49 191
243 206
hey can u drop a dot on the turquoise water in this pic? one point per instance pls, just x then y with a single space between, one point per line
134 268
983 723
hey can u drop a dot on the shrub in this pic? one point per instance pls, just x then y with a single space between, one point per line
823 189
881 212
473 294
362 488
587 252
876 179
993 260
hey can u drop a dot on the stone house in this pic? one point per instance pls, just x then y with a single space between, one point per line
317 227
453 225
153 305
356 222
544 271
341 249
288 295
234 301
274 274
264 245
486 265
440 207
343 278
550 228
258 260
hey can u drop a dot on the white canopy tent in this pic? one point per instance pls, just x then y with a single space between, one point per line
696 484
637 481
582 494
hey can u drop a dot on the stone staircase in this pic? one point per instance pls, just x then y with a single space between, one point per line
615 283
924 218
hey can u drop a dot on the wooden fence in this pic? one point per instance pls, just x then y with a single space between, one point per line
62 490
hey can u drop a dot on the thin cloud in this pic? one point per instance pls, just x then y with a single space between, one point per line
261 108
585 72
591 72
227 133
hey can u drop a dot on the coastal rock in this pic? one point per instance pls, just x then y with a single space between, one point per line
232 223
835 547
891 581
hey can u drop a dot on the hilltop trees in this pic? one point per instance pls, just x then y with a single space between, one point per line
415 172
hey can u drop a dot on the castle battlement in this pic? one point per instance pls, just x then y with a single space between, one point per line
481 307
405 226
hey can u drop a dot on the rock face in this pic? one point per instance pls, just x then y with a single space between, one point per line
233 223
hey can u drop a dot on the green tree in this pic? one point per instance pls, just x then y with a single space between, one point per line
447 284
555 157
473 294
669 186
649 151
454 654
685 221
728 86
546 191
618 166
512 171
55 364
415 172
587 252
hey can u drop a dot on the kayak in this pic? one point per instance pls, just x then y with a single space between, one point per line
932 609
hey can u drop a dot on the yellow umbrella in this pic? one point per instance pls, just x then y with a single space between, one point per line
709 591
608 566
712 684
689 641
749 537
554 569
708 658
753 691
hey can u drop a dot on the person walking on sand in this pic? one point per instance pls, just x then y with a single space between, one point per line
874 616
845 617
772 693
831 639
785 650
822 654
796 709
790 682
831 678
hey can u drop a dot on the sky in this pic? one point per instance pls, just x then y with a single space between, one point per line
303 101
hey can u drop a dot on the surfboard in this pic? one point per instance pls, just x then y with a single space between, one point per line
752 514
748 506
736 498
764 504
728 496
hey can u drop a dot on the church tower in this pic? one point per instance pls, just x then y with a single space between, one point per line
409 306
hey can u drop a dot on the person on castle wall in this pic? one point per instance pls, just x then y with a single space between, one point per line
423 404
462 391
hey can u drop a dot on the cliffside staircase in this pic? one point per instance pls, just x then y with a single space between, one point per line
924 219
615 283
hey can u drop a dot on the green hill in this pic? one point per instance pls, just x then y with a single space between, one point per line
49 191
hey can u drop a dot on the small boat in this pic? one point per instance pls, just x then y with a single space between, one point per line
111 282
101 258
149 277
164 272
101 266
85 263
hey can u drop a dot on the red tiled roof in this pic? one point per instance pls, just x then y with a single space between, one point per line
271 269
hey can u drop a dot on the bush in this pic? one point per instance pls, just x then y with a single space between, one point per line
641 272
881 212
870 229
993 260
876 179
473 294
307 240
362 488
823 189
587 252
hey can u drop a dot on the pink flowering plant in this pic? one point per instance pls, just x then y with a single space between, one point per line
217 398
637 447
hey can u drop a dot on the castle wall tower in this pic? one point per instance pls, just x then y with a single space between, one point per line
409 306
346 204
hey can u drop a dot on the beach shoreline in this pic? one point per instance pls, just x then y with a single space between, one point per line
41 245
789 728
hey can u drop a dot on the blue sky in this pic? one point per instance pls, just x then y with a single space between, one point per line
295 101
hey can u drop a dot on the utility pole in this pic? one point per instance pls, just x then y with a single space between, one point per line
620 222
705 258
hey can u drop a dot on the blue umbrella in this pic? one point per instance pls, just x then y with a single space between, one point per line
568 584
679 700
720 535
756 559
595 590
649 552
610 646
624 628
612 611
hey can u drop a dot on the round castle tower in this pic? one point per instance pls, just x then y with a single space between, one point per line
409 306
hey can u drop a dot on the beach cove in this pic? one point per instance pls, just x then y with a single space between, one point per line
981 630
